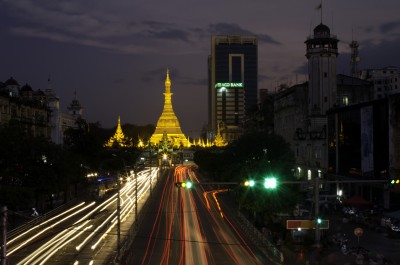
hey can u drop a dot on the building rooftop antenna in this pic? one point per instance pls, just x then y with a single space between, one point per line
355 58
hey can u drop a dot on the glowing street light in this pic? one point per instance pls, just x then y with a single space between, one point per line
270 183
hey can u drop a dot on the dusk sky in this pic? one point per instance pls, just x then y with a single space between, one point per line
114 54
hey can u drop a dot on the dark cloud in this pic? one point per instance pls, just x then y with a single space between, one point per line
263 78
389 27
156 25
385 53
158 74
169 34
119 81
234 29
195 81
302 69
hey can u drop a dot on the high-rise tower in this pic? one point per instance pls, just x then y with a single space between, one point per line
233 83
322 51
168 122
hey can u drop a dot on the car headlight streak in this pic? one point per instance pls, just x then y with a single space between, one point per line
83 226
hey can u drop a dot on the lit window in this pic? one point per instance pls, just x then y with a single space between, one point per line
345 100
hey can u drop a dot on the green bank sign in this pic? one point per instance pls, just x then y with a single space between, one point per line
228 85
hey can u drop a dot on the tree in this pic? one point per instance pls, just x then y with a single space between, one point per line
26 167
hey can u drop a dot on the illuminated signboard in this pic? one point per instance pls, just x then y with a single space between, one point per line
228 85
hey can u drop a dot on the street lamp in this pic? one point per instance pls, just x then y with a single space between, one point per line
270 183
119 209
136 202
3 217
119 217
150 164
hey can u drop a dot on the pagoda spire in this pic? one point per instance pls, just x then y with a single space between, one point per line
119 138
167 83
168 122
219 140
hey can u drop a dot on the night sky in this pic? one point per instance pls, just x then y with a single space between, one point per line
114 54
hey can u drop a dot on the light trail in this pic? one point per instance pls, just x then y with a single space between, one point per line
127 198
53 242
56 248
93 233
41 224
48 228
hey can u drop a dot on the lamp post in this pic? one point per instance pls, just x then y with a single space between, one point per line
150 156
119 209
118 217
136 204
316 201
3 216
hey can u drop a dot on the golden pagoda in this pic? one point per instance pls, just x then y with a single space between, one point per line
168 122
219 140
119 138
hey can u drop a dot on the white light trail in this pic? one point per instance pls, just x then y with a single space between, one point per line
47 228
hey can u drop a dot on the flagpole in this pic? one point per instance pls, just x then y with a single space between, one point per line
321 10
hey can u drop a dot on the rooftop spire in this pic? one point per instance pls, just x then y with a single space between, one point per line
167 83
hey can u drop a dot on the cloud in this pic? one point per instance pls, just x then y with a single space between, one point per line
234 29
170 34
382 54
302 69
389 27
158 74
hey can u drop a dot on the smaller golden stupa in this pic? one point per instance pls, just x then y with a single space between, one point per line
219 140
119 139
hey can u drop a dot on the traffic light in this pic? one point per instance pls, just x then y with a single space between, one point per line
184 185
395 181
249 183
270 183
188 184
319 220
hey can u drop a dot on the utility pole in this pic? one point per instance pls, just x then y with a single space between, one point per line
136 204
150 154
119 217
3 215
316 205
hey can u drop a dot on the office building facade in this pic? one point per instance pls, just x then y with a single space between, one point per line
233 83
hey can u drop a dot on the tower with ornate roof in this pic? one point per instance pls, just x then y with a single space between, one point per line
75 108
322 50
168 122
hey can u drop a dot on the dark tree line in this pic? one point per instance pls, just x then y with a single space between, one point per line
34 171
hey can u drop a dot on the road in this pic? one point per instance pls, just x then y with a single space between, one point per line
188 226
84 233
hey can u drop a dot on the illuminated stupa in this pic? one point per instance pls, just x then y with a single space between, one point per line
168 122
219 140
119 139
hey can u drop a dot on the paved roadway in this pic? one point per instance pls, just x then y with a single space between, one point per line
188 227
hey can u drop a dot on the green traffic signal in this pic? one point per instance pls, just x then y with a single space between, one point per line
270 183
188 184
319 221
185 185
249 183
